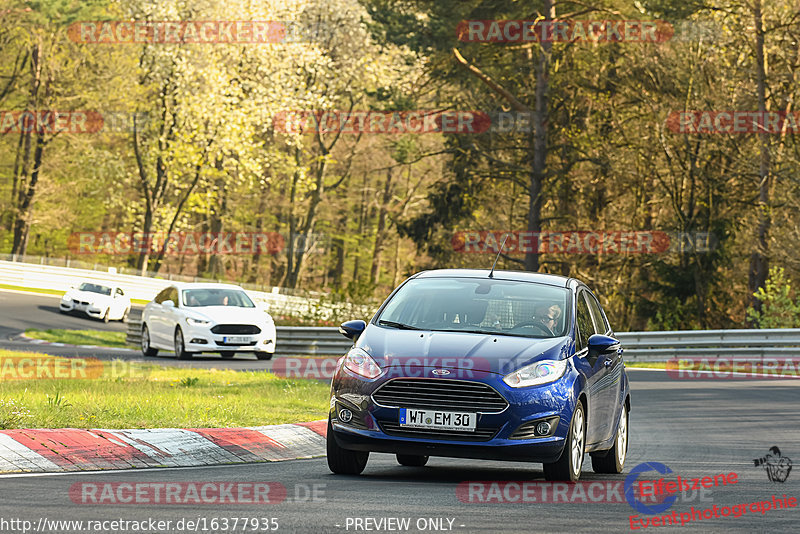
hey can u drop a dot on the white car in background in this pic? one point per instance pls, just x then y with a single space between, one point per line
98 301
205 317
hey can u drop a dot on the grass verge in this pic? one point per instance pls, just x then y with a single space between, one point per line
80 337
131 395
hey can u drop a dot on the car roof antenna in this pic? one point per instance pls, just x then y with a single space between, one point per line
491 273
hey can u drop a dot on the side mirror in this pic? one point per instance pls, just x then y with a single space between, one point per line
168 304
352 329
600 344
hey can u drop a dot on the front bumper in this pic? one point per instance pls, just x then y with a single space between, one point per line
202 339
88 308
374 427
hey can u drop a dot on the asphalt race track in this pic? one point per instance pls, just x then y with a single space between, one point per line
697 428
21 311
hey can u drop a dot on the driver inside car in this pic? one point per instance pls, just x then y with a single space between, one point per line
547 315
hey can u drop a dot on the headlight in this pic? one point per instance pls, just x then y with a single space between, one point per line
66 297
197 322
359 362
538 373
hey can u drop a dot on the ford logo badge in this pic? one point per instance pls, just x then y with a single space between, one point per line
440 372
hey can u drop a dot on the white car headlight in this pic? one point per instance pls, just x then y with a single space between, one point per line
536 374
197 322
362 364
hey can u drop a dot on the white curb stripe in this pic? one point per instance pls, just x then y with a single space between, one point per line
175 447
294 438
17 457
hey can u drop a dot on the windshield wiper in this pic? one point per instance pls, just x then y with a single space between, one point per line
395 324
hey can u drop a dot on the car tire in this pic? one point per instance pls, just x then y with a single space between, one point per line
568 466
147 350
412 460
263 355
613 459
180 346
106 317
227 354
342 461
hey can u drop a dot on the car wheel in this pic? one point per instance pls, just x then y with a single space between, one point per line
147 350
412 460
180 346
568 466
342 461
227 354
613 459
125 315
106 318
263 355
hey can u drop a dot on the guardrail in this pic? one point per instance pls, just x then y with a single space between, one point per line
639 346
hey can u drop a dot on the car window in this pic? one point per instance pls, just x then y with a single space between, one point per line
195 298
95 288
600 324
173 295
584 322
479 305
162 296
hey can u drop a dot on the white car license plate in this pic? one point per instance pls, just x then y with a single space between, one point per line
236 339
459 421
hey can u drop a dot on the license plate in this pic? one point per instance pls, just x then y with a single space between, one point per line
435 420
236 339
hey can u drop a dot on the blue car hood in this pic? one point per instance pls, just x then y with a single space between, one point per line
501 354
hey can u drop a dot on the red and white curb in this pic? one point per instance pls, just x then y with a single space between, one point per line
70 449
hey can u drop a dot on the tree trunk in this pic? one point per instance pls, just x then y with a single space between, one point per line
380 232
538 143
759 259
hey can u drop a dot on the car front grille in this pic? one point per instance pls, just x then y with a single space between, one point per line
236 329
394 429
77 302
228 344
440 394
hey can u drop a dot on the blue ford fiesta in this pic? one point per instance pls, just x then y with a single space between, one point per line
489 365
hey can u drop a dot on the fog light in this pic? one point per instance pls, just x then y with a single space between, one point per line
543 428
345 415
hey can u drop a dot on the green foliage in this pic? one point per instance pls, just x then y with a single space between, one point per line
778 308
189 381
57 401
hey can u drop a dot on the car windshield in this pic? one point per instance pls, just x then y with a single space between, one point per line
195 298
478 305
95 288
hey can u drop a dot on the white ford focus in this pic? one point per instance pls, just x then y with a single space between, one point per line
192 318
98 301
